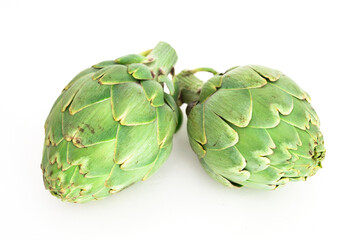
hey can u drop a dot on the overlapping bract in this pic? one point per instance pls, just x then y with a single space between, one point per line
111 127
253 126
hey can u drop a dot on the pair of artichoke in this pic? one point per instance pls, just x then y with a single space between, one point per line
113 124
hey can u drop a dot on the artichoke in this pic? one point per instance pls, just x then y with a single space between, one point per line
251 126
112 126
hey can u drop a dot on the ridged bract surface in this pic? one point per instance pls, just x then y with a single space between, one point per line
112 126
253 126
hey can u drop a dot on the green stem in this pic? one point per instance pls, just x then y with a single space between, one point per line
210 70
188 86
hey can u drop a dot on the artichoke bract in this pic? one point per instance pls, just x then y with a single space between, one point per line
112 126
251 126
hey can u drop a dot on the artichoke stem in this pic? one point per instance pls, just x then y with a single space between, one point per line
165 58
210 70
188 86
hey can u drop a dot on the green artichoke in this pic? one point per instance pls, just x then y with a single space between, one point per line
112 126
251 126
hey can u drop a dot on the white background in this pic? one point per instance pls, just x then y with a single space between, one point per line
318 43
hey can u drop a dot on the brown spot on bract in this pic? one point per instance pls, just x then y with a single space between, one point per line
161 71
90 128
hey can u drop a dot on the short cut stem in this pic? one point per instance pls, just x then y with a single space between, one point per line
210 70
165 58
188 86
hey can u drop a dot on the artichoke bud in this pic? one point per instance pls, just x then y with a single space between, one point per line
111 127
251 126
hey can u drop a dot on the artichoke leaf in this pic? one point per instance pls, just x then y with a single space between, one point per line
261 186
113 74
136 146
166 125
307 147
154 92
268 73
210 87
90 93
269 175
69 94
289 86
285 137
214 175
197 148
90 126
132 58
93 161
301 115
130 105
168 81
140 71
267 103
196 124
79 76
229 159
219 134
121 178
255 144
161 158
59 155
101 193
53 124
103 64
242 78
237 113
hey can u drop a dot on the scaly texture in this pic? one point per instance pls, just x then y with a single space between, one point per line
112 126
252 126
